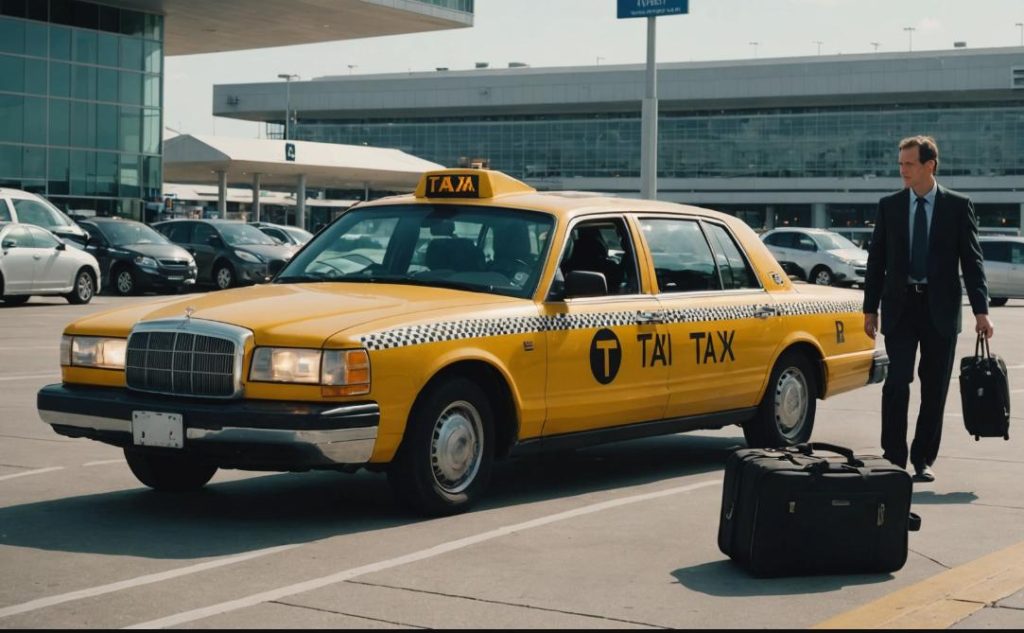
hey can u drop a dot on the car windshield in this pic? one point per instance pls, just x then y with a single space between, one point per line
125 233
834 242
301 235
479 249
244 235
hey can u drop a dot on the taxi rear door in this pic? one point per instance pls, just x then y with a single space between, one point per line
608 356
723 324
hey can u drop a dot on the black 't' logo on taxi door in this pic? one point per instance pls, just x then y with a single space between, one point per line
605 356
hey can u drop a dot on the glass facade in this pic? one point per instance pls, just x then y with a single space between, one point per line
466 6
781 143
81 104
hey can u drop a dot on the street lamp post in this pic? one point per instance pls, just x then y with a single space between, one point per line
287 103
910 35
755 45
875 44
819 43
1020 25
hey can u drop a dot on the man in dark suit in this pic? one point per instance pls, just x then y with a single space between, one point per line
922 235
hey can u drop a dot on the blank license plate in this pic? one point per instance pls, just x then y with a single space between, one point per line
151 428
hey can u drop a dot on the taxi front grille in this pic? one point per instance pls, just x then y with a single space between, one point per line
185 363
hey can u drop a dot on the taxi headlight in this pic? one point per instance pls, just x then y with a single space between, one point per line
346 372
252 258
93 351
145 262
281 364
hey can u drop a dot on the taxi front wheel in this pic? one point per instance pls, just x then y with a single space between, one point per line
444 462
168 473
786 414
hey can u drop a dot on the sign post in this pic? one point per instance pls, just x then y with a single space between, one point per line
650 9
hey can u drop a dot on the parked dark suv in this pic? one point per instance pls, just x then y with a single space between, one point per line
134 258
228 253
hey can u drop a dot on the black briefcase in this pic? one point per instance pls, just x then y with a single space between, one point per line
794 511
985 393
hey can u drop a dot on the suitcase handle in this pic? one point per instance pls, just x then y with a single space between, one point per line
981 348
809 447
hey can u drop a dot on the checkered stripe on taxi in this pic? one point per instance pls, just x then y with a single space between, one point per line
483 328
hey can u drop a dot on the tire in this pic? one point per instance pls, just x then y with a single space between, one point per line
84 288
997 302
822 276
124 282
223 276
168 473
15 300
785 415
445 460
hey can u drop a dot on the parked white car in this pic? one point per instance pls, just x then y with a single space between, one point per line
818 256
28 208
34 261
1004 268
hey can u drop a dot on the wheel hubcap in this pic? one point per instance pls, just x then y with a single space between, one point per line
791 400
84 287
824 278
124 282
456 445
223 278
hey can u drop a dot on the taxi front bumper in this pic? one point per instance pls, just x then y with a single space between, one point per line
254 434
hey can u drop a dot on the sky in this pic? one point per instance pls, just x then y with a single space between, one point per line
550 33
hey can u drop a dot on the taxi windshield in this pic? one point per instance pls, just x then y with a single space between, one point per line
480 249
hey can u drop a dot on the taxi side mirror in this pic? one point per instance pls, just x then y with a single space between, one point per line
61 246
584 283
10 244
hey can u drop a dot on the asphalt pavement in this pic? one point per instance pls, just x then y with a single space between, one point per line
620 536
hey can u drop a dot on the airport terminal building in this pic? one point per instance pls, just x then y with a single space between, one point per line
81 83
809 141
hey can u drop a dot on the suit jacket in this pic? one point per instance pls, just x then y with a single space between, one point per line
952 244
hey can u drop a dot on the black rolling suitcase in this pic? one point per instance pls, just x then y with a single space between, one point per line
794 511
985 393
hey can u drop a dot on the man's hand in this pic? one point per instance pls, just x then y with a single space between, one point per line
984 325
871 325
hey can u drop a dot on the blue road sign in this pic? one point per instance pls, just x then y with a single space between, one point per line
652 8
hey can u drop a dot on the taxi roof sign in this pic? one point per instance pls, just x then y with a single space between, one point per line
468 184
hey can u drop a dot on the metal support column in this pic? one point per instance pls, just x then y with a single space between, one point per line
819 216
649 123
222 194
256 197
300 203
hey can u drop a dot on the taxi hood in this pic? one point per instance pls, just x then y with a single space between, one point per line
306 315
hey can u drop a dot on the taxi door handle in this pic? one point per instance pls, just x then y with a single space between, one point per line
37 257
649 318
766 311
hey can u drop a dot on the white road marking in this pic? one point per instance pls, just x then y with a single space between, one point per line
92 592
104 462
28 377
37 471
444 548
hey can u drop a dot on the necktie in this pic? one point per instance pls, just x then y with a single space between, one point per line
919 249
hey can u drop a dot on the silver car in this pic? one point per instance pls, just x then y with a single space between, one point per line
1004 268
819 256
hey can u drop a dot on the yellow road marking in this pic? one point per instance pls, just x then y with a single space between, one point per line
944 599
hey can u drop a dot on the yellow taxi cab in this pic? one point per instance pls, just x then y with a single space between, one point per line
431 334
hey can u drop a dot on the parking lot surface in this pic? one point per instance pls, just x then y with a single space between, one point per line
621 536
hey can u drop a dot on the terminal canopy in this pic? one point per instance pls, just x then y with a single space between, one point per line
201 160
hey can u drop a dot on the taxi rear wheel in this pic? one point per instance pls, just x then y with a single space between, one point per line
786 414
444 462
168 473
